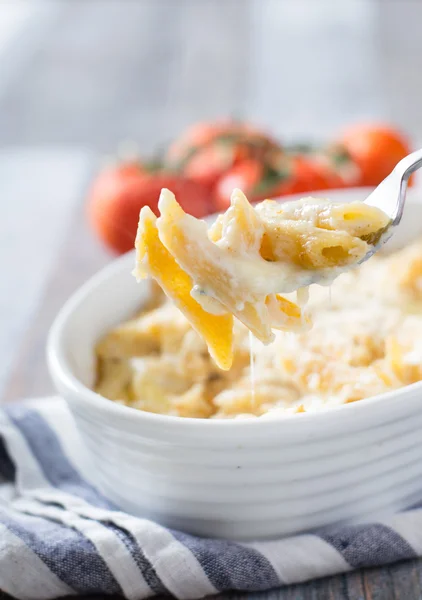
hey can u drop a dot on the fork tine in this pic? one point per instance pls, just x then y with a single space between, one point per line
390 195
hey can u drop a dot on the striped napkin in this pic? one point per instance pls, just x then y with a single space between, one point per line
59 536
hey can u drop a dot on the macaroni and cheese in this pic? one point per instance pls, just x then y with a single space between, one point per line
366 340
251 254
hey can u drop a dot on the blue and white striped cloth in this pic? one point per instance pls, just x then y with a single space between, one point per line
60 537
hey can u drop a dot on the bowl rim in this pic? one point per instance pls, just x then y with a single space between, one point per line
61 371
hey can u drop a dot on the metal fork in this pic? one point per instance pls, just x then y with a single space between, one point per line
390 196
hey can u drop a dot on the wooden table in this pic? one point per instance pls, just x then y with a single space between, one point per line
144 72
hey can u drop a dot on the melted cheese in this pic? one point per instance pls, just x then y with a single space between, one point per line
248 257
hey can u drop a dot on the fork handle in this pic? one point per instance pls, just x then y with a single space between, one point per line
408 165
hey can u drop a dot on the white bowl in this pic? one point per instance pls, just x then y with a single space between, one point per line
237 479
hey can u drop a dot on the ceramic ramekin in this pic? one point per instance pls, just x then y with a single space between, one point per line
250 479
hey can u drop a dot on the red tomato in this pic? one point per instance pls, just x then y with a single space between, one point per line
376 149
308 175
207 164
196 136
207 151
246 176
338 166
119 193
257 181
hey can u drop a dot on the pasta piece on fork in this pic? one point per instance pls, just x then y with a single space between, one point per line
247 258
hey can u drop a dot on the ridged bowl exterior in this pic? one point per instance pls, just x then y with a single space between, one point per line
251 479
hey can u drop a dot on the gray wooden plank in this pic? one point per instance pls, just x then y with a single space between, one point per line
314 65
38 193
378 584
406 580
107 69
77 256
104 73
97 65
23 27
398 40
212 76
353 584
